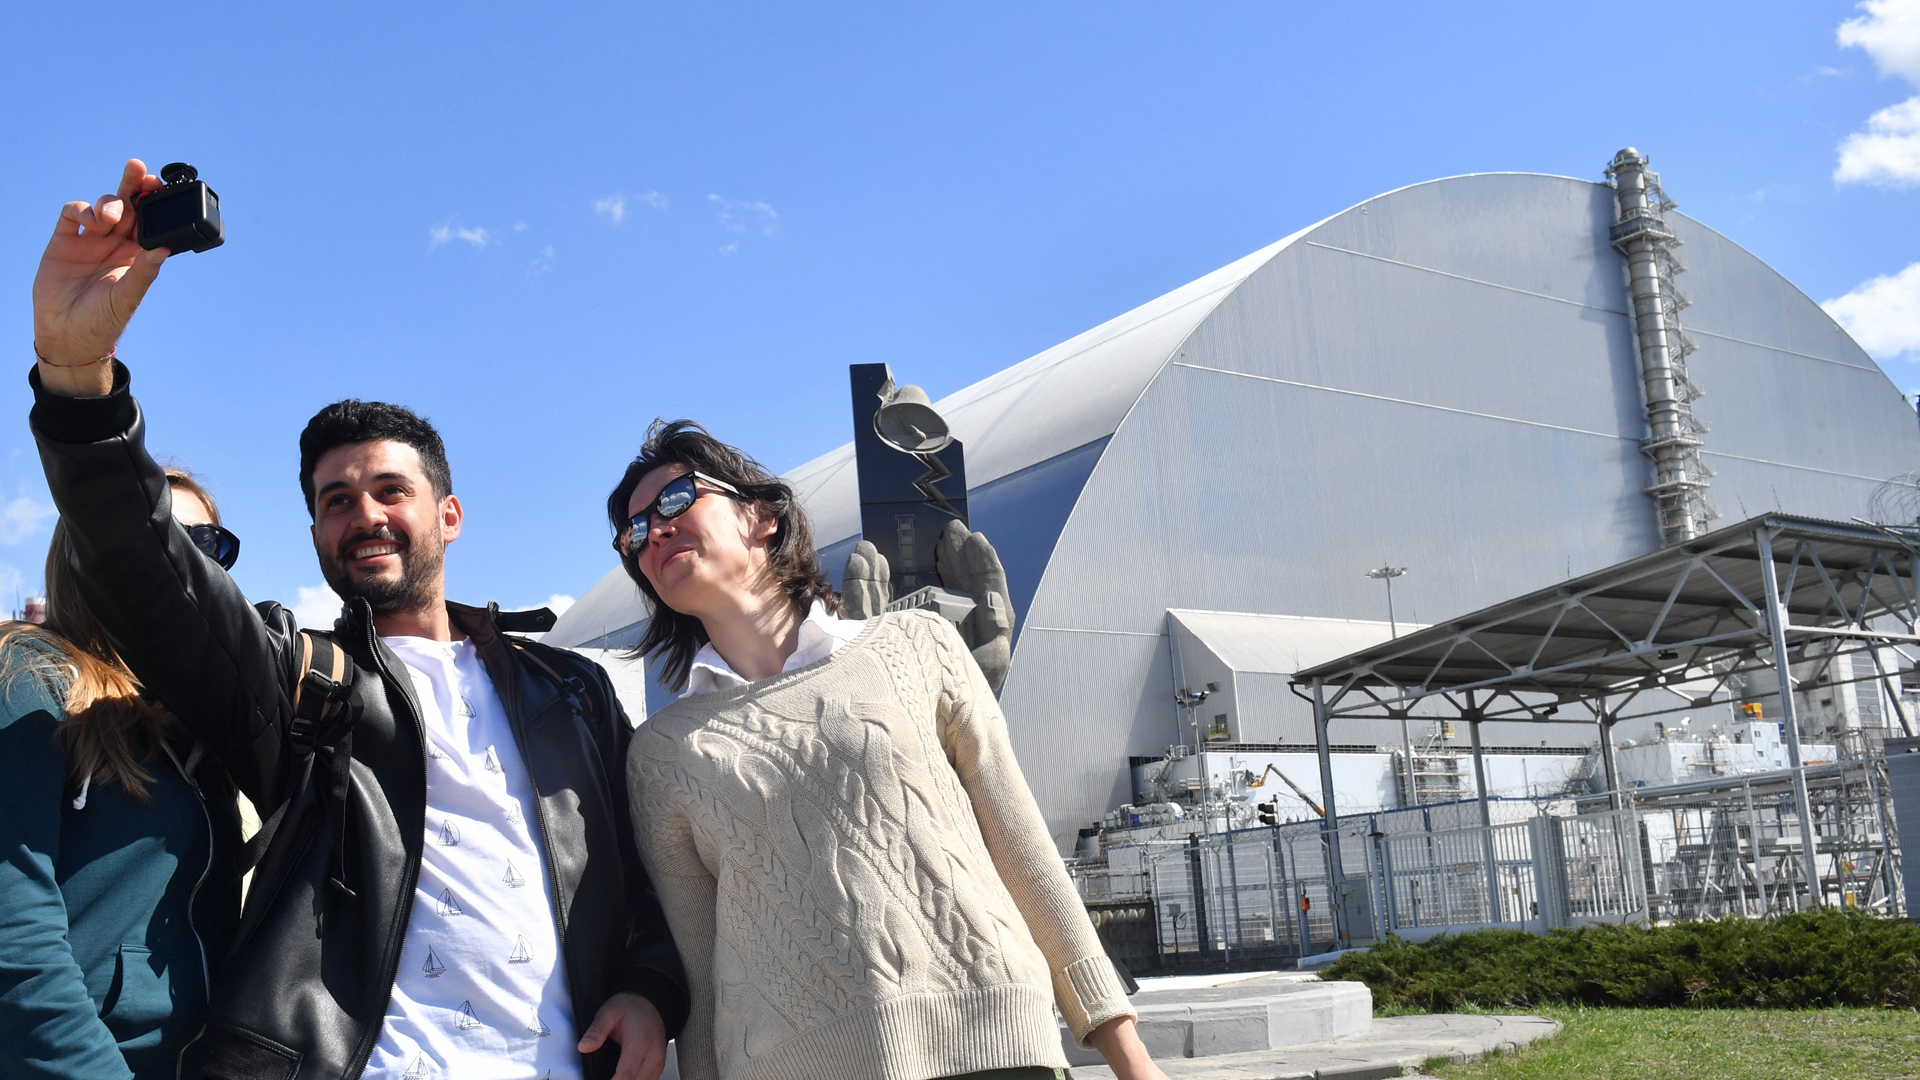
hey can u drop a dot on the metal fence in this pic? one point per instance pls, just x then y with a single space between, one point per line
1269 892
1704 849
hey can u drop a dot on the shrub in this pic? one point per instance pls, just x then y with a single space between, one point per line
1793 961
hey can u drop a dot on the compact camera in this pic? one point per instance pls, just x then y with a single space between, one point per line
182 216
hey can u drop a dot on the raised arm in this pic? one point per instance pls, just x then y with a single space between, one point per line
179 622
92 277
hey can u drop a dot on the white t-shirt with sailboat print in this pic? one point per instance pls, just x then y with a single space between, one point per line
481 993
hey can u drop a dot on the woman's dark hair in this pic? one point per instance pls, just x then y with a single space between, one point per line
674 637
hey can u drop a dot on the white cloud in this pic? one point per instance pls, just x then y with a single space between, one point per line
614 206
746 216
1883 315
317 607
519 226
544 262
447 231
1890 34
558 603
1887 153
21 517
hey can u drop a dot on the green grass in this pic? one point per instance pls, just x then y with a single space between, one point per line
1711 1044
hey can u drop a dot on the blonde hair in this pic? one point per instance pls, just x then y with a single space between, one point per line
112 728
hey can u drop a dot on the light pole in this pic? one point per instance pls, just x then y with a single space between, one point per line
1387 572
1190 700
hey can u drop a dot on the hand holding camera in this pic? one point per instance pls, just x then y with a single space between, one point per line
99 264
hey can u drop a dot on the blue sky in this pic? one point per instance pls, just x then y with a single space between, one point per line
543 225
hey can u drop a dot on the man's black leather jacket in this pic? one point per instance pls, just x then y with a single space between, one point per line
304 991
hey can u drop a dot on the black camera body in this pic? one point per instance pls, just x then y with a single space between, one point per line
182 216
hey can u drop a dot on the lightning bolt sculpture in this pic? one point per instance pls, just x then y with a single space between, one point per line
936 471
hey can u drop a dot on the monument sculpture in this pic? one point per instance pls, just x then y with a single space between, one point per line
917 549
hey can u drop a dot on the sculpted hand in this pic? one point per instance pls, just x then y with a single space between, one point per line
866 586
633 1022
968 564
91 278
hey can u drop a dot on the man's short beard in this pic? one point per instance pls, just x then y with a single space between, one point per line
413 590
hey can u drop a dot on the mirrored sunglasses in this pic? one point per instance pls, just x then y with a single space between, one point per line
675 499
219 545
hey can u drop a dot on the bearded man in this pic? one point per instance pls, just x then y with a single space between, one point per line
451 887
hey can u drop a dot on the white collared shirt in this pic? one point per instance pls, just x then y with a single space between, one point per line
821 635
481 991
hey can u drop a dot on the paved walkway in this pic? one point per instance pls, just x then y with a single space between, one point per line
1396 1046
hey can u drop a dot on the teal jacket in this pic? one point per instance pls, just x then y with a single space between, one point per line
114 914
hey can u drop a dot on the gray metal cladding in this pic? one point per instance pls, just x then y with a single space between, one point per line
1444 378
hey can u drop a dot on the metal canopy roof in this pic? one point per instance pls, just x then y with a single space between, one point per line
1684 619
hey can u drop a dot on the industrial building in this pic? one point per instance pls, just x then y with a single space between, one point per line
1449 378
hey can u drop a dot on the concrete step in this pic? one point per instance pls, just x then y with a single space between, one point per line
1240 1014
1393 1046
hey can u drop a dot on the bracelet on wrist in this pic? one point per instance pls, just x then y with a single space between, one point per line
70 367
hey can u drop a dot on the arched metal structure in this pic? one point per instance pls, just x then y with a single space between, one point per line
1442 377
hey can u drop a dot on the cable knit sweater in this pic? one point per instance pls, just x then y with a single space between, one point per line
853 845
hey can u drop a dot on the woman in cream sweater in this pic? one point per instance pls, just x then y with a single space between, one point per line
833 815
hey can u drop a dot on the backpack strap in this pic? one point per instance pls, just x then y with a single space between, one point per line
322 724
318 689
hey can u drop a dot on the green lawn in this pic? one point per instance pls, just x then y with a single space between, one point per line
1711 1044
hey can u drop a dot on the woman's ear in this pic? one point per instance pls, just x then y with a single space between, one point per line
763 522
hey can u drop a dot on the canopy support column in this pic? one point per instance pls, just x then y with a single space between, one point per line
1494 914
1609 766
1330 823
1777 633
1406 744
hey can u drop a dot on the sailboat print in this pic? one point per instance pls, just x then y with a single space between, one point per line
466 706
513 878
522 952
449 834
418 1070
492 763
538 1026
434 753
513 813
433 968
467 1021
448 905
